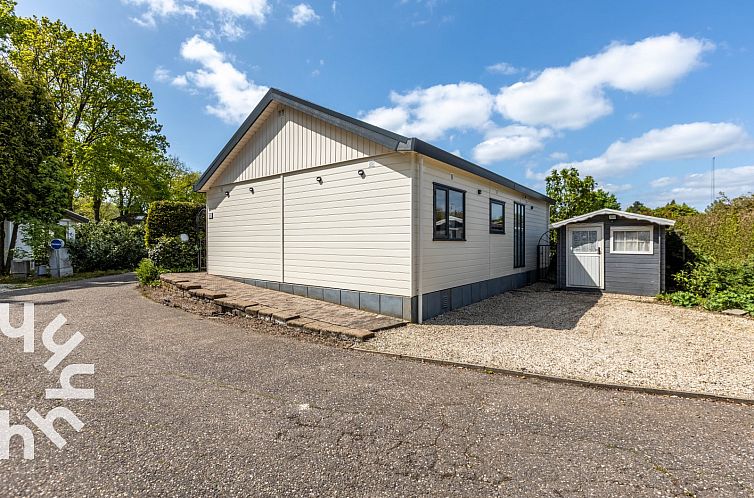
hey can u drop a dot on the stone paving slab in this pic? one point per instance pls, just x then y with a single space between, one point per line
296 310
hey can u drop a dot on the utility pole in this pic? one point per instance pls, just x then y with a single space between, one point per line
713 179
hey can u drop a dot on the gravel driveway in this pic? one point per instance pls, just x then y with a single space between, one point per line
608 338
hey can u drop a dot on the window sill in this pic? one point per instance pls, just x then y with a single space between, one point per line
448 240
642 253
496 232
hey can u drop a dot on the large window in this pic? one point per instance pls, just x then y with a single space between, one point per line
450 213
631 240
497 216
519 235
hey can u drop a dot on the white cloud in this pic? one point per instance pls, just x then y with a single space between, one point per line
158 9
614 188
161 74
234 93
334 7
510 142
503 68
429 113
303 14
559 156
662 182
696 187
256 10
681 141
574 96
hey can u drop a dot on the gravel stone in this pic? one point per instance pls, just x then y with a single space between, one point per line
587 336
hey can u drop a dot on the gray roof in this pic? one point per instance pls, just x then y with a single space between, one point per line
67 213
388 139
622 214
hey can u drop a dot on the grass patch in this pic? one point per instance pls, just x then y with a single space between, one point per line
40 281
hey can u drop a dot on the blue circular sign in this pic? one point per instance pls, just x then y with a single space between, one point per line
57 243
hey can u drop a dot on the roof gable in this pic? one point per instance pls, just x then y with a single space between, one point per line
387 140
615 212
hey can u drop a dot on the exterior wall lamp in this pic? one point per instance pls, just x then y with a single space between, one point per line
319 180
361 173
251 189
227 193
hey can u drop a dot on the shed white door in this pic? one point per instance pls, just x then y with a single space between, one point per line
584 261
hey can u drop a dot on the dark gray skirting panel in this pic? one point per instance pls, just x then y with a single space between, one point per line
434 303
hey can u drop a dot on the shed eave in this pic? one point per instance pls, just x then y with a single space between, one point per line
623 214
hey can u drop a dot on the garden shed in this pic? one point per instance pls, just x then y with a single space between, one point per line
612 251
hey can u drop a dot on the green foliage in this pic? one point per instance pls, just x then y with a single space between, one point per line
32 180
170 218
575 196
672 210
680 298
107 245
174 254
724 232
182 183
113 144
37 236
148 273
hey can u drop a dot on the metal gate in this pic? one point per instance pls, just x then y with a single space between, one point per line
201 235
546 258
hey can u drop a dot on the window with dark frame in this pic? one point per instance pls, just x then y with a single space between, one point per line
497 216
519 235
450 213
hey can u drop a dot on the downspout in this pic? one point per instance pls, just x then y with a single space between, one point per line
420 240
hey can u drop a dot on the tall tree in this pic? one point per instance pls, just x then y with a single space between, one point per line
182 182
574 196
33 184
107 118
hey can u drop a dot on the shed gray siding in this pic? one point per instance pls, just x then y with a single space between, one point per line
638 274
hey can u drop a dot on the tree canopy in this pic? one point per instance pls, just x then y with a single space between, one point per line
672 210
575 196
113 145
33 183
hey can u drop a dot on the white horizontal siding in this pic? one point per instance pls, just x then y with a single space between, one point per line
483 255
244 236
289 140
350 232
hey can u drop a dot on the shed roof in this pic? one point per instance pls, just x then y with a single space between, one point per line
382 136
622 214
71 215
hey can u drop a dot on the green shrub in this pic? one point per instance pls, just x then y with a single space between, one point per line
107 245
683 298
148 273
170 219
174 254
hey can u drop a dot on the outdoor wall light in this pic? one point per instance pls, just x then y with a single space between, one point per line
227 193
479 191
361 173
251 189
319 180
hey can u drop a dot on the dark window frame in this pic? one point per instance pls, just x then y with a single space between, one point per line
494 229
519 235
447 189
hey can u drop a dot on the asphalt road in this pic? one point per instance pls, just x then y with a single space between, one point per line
194 406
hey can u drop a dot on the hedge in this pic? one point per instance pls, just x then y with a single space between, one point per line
171 219
107 245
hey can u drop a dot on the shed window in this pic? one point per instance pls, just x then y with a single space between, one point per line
631 240
450 213
519 235
497 216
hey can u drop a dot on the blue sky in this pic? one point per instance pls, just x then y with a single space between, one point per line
639 94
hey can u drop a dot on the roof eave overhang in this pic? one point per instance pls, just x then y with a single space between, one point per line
623 214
